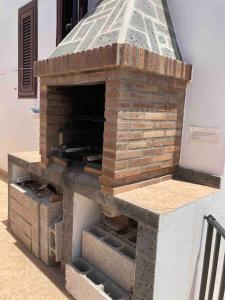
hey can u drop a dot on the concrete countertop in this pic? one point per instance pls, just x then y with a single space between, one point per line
25 158
144 204
167 196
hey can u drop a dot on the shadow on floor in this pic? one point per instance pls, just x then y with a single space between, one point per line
52 272
3 177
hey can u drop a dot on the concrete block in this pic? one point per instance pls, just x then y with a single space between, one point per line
20 223
21 235
36 228
21 210
110 211
55 239
25 203
48 213
145 260
20 194
128 235
111 255
26 207
85 282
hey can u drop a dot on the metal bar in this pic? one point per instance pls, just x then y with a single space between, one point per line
222 283
216 225
214 266
88 118
207 255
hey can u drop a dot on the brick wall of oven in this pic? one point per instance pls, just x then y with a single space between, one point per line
55 106
144 116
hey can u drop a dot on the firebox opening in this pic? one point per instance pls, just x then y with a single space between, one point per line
81 136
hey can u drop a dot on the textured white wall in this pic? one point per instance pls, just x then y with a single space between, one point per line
180 249
199 26
19 129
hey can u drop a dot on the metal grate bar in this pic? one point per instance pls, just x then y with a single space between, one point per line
207 255
214 266
222 283
220 233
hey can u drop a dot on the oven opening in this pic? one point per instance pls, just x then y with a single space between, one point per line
81 136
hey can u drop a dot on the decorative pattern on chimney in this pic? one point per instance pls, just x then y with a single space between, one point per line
145 24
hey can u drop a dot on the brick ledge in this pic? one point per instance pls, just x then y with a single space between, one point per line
116 55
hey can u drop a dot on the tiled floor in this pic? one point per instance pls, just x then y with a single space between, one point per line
22 276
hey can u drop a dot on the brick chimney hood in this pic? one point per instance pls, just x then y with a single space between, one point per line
129 48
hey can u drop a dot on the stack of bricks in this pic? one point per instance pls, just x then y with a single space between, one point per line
144 116
116 55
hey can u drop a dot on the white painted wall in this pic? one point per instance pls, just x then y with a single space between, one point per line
19 129
180 249
199 26
86 213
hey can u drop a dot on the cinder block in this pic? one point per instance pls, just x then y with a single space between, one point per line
110 211
48 213
20 210
110 255
55 239
128 235
21 235
20 223
20 194
25 203
36 228
85 282
27 207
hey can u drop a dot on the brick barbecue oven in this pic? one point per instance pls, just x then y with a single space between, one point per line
111 114
116 86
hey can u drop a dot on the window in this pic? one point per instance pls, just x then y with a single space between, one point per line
27 50
69 13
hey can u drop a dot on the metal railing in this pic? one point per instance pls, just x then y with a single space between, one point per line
220 232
